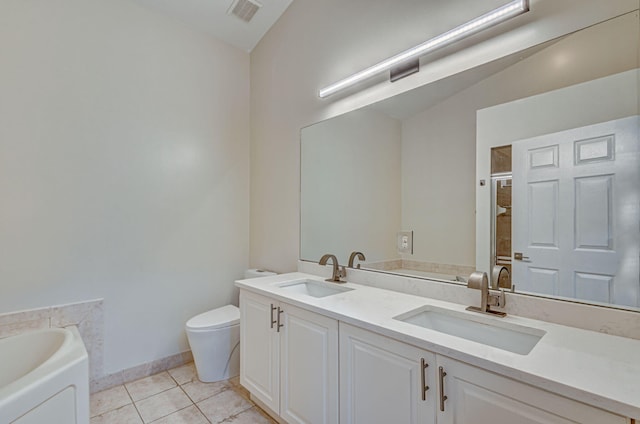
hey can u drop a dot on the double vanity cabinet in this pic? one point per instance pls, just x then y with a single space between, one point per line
319 354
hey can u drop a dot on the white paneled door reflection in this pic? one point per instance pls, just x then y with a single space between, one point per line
576 213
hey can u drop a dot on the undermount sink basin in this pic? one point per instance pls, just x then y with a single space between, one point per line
503 335
314 288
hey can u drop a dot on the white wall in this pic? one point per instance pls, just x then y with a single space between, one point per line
318 42
124 149
349 206
438 193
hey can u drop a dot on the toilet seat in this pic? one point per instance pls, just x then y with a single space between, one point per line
223 317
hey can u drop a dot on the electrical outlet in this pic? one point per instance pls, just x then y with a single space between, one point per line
405 242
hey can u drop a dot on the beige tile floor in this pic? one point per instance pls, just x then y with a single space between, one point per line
176 397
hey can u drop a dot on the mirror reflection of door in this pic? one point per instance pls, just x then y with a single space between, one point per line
576 213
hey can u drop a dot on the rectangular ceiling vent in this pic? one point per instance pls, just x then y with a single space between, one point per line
244 9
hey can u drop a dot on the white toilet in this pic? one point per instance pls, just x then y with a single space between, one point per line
214 337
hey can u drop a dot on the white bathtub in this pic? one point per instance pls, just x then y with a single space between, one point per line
44 378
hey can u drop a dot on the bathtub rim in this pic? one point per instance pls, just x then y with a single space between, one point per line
51 376
67 338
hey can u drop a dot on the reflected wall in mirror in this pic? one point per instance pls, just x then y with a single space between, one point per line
421 162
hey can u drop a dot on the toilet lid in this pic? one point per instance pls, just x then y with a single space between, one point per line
225 316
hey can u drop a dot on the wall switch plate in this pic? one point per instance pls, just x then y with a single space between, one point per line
405 242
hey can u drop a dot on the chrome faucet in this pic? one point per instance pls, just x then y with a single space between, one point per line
479 280
338 272
353 256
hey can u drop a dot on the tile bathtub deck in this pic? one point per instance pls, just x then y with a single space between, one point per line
176 397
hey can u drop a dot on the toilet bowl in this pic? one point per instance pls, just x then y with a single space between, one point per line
214 337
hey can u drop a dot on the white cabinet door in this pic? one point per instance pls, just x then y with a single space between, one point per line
260 348
477 396
289 359
309 367
383 381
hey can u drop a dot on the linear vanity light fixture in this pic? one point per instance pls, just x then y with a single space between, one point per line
496 16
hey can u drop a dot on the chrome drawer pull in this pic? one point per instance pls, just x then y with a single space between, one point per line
442 374
280 311
423 378
273 321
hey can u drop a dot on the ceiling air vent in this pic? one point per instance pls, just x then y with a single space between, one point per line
244 9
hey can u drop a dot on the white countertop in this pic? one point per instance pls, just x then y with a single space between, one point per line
590 367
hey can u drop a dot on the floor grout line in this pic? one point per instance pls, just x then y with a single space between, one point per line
234 416
134 403
173 412
203 414
187 394
165 416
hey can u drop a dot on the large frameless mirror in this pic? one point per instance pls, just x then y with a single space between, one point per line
526 168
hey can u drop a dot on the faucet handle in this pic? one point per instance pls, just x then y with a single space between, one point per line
496 298
342 272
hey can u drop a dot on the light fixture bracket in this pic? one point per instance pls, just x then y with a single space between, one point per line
403 70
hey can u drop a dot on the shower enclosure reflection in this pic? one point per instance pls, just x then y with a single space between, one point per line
501 215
